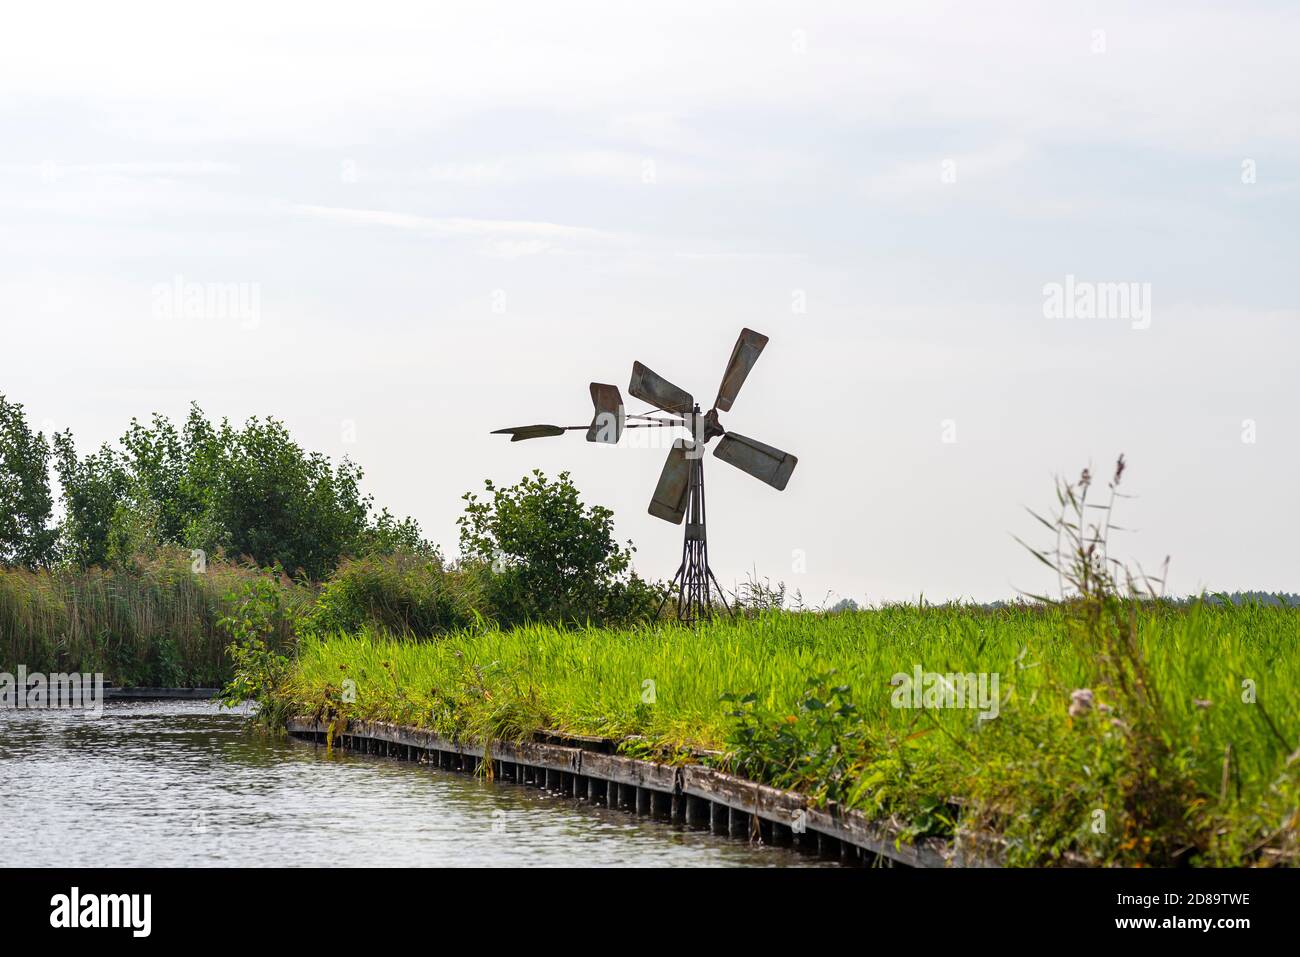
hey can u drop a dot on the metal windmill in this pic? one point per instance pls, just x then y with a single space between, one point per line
680 492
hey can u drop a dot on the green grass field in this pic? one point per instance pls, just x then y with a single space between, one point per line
1194 761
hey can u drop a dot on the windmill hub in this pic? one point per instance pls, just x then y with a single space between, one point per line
712 428
679 495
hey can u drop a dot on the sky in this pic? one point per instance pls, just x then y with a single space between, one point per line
397 227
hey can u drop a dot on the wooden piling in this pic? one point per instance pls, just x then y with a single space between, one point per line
738 823
694 795
697 812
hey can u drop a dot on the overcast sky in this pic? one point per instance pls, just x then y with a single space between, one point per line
445 219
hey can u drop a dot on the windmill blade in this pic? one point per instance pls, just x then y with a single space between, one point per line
520 432
669 501
607 424
761 461
649 386
748 348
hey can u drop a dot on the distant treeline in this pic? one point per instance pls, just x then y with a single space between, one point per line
1267 599
1284 599
246 491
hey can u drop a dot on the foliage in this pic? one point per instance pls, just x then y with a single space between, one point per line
402 593
93 489
814 749
543 556
154 624
26 536
282 505
250 491
1102 595
386 535
754 596
255 609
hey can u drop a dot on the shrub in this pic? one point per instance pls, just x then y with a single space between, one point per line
543 556
812 750
403 593
255 609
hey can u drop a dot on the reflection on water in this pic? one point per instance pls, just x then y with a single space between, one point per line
179 783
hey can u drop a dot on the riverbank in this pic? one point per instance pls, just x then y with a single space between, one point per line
1072 766
693 795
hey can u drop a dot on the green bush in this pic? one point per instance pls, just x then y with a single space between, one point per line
403 593
811 750
543 556
256 607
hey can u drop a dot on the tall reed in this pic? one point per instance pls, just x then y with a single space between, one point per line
154 624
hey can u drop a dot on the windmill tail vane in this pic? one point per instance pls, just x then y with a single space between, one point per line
679 495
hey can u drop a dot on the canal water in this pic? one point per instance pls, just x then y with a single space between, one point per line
180 783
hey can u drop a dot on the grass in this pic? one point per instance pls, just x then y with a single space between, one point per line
1219 785
154 624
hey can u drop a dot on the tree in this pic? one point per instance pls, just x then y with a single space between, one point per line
547 557
280 504
250 491
158 459
26 536
94 488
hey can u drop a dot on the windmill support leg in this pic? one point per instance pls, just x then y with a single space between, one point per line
694 576
671 585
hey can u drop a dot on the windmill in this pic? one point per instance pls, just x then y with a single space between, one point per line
679 495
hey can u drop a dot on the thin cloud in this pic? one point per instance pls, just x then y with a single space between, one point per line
464 227
907 181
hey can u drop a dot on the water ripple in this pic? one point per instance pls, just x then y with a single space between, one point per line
181 784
